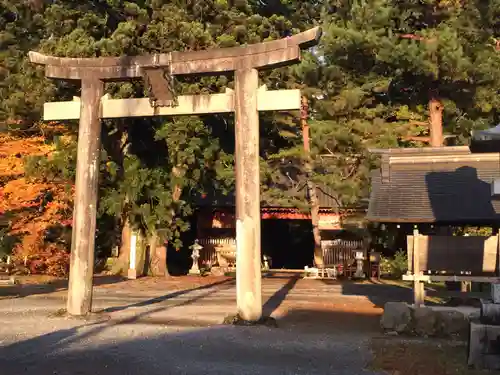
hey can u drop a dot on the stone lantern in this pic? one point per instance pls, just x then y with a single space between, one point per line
195 255
360 257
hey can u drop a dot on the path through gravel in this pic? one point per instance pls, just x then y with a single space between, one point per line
152 329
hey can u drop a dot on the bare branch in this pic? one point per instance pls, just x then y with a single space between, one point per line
340 156
417 37
352 170
330 151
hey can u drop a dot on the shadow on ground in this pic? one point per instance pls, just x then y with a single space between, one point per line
377 293
21 290
228 283
380 293
269 307
306 342
279 296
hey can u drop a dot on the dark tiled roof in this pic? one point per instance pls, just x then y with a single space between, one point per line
441 190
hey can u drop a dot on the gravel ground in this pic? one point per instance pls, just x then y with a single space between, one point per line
149 331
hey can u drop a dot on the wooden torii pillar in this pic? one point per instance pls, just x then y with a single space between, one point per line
158 71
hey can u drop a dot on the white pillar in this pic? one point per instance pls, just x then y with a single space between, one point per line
248 262
132 270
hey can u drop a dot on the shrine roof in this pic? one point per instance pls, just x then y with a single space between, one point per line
448 185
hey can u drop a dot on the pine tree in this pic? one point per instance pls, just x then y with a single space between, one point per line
380 65
152 167
383 65
21 90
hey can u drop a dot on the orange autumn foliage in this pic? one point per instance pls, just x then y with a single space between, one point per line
24 208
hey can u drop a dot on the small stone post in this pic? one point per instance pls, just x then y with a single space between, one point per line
418 285
132 270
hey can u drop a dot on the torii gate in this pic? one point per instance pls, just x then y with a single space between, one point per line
158 71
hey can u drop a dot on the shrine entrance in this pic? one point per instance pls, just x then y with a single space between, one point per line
158 72
288 242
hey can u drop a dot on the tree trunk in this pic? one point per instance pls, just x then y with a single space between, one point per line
157 258
122 264
314 202
435 120
311 187
176 193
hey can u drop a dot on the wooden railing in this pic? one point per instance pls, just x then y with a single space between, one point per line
336 252
209 253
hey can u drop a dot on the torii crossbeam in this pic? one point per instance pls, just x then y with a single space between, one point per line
158 72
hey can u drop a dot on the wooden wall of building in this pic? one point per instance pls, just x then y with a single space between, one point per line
455 255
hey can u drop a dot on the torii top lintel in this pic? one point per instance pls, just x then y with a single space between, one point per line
263 55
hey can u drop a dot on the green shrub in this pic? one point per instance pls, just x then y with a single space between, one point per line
61 165
396 266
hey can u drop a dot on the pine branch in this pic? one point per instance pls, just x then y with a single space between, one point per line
417 138
352 170
418 123
418 38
